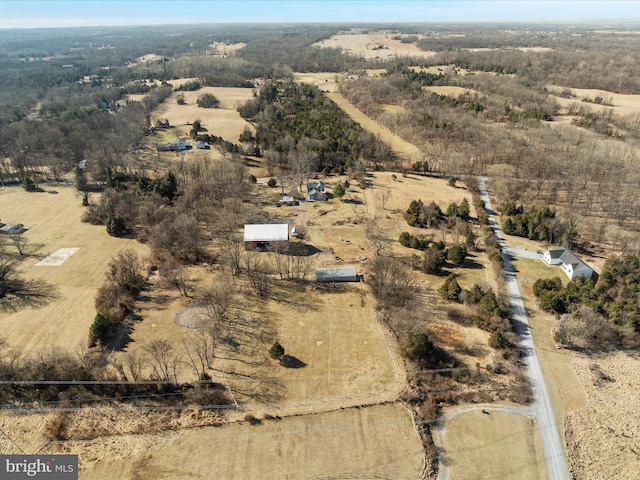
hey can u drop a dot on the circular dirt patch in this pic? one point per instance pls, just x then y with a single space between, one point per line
194 316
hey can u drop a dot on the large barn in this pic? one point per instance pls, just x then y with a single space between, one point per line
264 237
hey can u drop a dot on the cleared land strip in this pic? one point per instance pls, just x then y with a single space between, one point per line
405 150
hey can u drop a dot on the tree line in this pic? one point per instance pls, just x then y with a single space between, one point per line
599 314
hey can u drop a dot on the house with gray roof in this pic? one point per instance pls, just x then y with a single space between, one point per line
571 265
315 191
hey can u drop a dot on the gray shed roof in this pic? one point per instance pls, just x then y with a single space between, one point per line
338 274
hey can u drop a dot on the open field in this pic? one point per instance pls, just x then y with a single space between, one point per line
343 354
602 437
223 122
367 45
53 222
619 103
328 81
379 440
452 91
491 442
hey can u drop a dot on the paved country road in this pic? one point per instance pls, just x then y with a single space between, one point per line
551 443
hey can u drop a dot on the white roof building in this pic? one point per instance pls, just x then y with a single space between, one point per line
269 232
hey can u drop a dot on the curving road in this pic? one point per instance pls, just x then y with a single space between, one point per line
551 443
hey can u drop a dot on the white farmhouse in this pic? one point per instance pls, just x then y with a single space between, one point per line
571 265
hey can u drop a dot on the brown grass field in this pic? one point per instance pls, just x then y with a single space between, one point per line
493 445
364 45
53 221
224 121
452 91
376 441
621 104
602 437
405 150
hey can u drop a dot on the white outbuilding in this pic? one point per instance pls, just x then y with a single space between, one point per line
266 236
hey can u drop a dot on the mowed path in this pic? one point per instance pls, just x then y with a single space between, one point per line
407 151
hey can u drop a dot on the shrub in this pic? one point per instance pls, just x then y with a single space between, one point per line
417 346
450 289
116 226
276 351
207 100
497 340
547 285
457 254
29 184
272 182
99 330
253 179
434 258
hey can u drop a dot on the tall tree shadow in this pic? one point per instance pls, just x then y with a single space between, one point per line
17 293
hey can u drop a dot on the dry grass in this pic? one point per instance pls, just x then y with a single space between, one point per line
325 81
452 91
478 446
364 45
407 151
378 440
602 437
333 334
53 221
621 104
224 121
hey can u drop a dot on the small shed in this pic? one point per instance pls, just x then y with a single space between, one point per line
288 201
337 274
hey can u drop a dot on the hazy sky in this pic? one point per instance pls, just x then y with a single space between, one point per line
53 13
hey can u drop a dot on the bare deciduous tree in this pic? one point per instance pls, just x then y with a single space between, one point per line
175 275
199 348
125 272
384 195
163 360
375 236
218 296
134 363
258 272
392 282
293 262
19 240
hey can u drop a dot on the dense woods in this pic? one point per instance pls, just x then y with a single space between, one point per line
298 128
